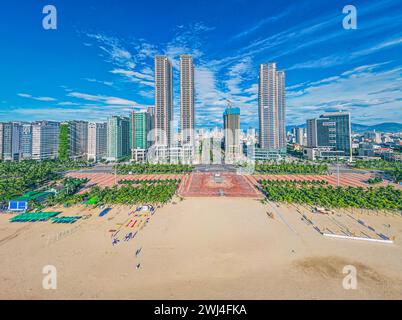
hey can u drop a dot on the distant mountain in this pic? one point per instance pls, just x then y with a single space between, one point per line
360 128
381 127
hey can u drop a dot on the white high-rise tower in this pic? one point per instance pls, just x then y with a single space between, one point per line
280 84
271 107
187 119
163 101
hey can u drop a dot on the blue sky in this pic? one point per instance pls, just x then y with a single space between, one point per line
100 59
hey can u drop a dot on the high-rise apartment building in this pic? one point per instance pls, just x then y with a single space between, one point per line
26 141
231 126
280 80
140 127
311 128
118 138
163 101
11 136
45 140
78 139
97 141
271 108
332 130
187 116
299 136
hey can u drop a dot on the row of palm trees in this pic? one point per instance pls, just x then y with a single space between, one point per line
378 164
283 167
160 193
336 197
375 180
148 168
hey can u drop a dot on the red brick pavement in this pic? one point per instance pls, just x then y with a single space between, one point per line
232 185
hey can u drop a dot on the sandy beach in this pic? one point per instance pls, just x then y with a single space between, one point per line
198 248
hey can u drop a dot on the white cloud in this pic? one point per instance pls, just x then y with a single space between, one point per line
106 83
114 51
28 96
134 76
103 99
356 90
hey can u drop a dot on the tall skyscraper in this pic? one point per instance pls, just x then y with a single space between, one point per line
140 127
331 130
11 133
26 141
141 124
78 139
311 127
118 137
231 126
280 78
271 107
97 141
187 116
163 101
299 136
45 140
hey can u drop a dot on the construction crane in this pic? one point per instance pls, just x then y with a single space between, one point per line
229 104
227 121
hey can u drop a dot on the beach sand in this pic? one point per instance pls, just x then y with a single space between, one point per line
198 248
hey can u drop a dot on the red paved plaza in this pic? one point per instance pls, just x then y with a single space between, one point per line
224 184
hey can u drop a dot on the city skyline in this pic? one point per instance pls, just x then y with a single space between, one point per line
90 70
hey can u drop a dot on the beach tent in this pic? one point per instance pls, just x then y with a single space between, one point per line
17 206
104 212
93 200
